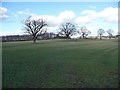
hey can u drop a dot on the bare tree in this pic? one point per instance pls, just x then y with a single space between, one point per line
100 33
67 28
85 32
34 27
110 32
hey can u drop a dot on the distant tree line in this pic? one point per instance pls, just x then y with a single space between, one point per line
43 36
37 31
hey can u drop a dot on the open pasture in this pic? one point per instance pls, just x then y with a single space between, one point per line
60 63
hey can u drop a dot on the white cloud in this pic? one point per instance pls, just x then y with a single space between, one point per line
109 14
3 13
83 20
90 13
93 7
2 10
17 32
54 21
66 15
86 17
93 29
52 29
25 12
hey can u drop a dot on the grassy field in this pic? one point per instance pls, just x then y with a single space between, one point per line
60 64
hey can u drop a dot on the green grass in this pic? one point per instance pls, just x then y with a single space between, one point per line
60 64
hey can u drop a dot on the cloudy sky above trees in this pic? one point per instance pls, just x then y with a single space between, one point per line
93 15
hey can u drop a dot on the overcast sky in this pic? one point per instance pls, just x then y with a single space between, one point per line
93 15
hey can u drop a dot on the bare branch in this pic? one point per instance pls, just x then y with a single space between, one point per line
85 32
34 27
100 33
67 28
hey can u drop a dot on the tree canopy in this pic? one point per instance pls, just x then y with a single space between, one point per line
85 32
34 27
100 33
67 28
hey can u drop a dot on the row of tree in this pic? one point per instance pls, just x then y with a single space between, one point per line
35 28
109 31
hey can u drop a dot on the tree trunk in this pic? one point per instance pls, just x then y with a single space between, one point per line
83 35
109 36
34 39
100 37
67 36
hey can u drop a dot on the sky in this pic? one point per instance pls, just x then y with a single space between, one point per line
93 15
